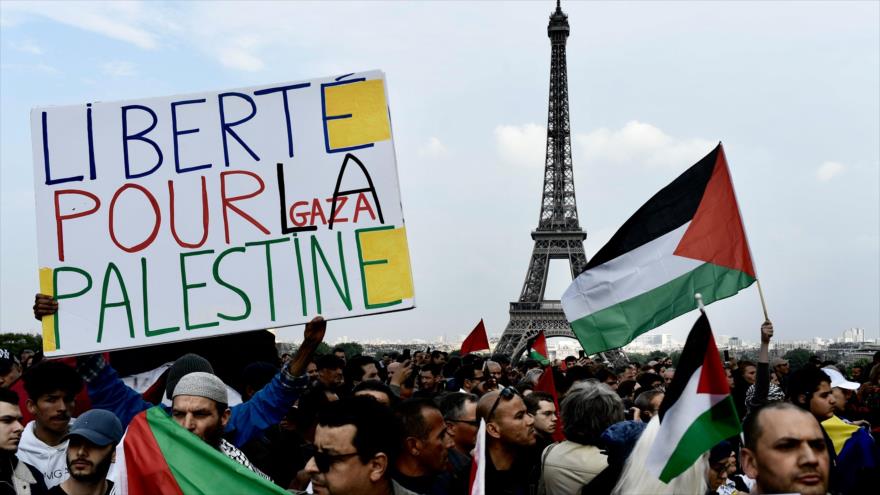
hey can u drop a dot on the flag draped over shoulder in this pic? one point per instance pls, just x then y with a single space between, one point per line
162 457
688 238
697 411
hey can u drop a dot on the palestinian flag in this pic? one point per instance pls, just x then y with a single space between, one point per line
697 411
162 457
477 480
539 349
688 238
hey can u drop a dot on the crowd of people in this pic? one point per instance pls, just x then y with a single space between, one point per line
408 422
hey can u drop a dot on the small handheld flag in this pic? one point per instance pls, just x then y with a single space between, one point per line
697 411
476 341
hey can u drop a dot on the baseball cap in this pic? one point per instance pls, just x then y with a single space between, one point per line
7 360
99 426
840 381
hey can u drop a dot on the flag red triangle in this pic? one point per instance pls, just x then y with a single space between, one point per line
540 345
716 233
548 385
712 378
476 341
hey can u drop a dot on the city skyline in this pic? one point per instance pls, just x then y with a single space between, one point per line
789 87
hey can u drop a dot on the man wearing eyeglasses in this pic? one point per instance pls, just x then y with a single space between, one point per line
510 440
356 444
460 413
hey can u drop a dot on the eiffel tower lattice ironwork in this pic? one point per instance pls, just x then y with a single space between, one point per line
559 234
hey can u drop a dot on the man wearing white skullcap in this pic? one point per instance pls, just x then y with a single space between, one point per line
199 403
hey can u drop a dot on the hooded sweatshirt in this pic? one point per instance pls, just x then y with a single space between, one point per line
49 460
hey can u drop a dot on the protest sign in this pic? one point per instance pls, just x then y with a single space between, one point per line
176 218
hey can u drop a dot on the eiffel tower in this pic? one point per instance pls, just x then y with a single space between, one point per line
559 234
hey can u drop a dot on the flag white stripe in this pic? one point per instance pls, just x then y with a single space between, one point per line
479 486
629 275
689 406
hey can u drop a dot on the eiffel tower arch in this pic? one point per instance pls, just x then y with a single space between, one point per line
559 234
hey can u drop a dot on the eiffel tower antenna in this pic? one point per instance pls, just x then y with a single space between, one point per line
559 234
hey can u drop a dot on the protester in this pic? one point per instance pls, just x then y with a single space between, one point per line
542 406
340 353
460 414
719 467
430 381
360 369
587 410
10 368
648 404
467 376
90 452
51 387
331 372
16 475
424 444
267 407
199 404
377 390
785 451
511 467
351 455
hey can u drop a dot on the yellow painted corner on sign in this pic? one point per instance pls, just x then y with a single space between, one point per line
357 114
385 266
47 286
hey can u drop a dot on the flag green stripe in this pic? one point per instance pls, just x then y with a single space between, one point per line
199 468
717 424
618 325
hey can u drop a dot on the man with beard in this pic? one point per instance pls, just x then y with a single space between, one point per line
51 387
199 404
15 474
330 373
511 466
90 452
785 451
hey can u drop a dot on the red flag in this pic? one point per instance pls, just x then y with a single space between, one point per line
476 341
546 384
540 345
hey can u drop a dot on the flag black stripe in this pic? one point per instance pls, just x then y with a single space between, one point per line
691 359
669 209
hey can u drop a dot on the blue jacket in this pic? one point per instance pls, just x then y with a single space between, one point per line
248 419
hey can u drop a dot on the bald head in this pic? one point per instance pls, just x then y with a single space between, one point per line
486 403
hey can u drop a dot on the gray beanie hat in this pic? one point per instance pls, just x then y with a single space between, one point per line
201 384
184 365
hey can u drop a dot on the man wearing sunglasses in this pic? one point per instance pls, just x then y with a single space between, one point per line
356 443
510 440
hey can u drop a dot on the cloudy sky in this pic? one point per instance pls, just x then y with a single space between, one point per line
791 88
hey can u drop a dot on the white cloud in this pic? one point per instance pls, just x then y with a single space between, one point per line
119 68
27 46
522 145
641 143
124 21
433 148
635 143
828 170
